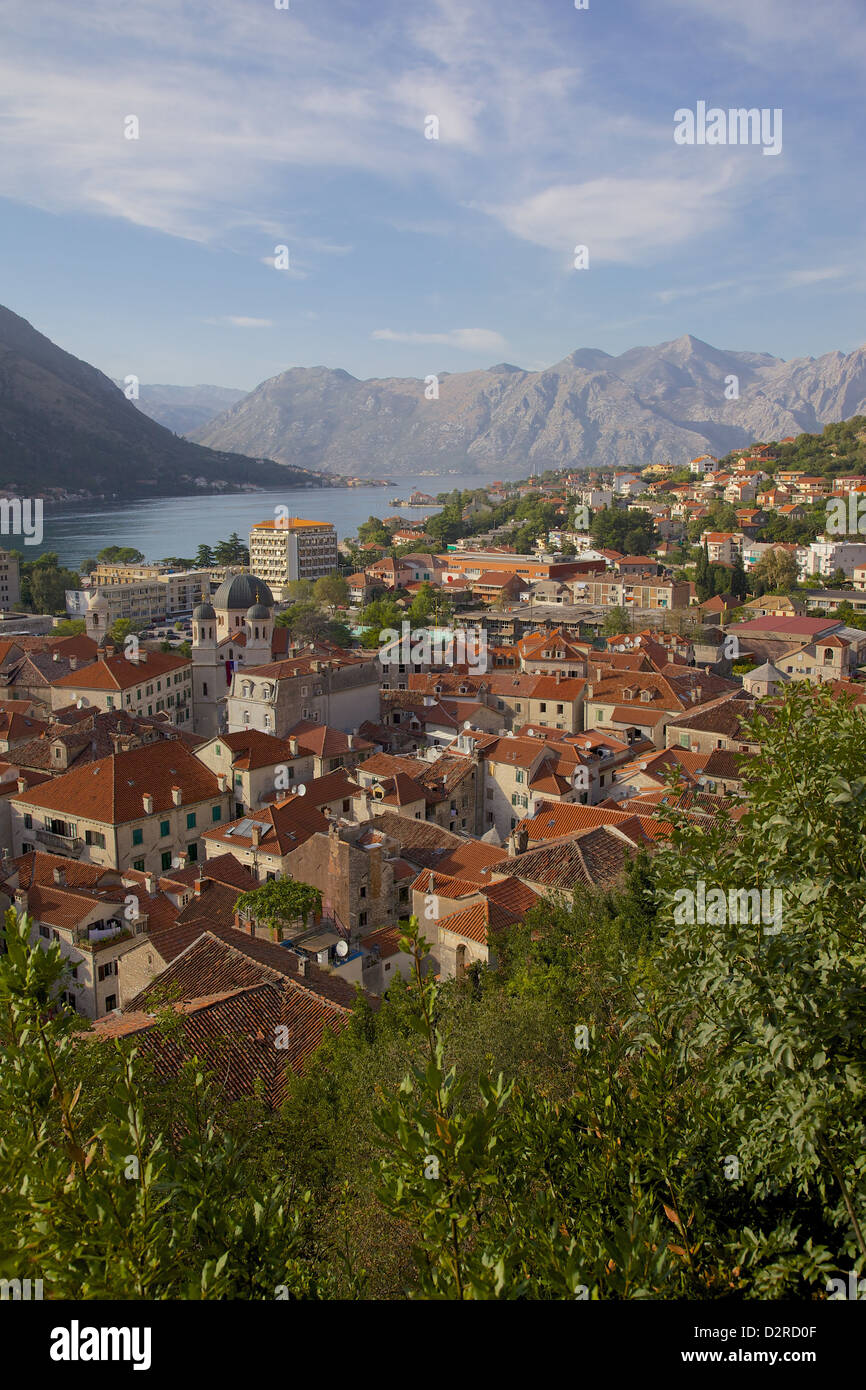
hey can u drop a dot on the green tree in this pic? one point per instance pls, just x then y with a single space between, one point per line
44 583
279 904
615 621
120 555
99 1202
631 531
775 573
331 592
204 558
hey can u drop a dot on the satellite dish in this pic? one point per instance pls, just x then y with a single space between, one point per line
342 949
301 790
467 723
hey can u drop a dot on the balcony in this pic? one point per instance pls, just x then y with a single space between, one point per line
62 844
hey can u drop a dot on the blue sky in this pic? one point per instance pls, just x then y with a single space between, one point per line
305 127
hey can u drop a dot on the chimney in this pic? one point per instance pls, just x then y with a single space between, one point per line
558 675
147 802
176 796
222 781
55 656
351 739
589 690
73 663
302 965
59 876
256 833
149 884
201 886
22 785
293 747
181 860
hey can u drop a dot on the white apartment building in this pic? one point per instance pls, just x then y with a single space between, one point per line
825 557
294 548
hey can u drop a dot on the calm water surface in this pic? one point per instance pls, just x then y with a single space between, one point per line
179 525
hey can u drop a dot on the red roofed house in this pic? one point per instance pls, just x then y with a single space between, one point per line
144 808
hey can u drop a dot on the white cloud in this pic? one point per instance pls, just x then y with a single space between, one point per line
466 339
241 321
620 219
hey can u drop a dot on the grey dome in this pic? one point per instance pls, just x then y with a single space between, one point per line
257 612
242 591
203 610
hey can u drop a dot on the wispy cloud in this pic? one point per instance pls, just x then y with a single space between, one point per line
241 321
621 219
466 339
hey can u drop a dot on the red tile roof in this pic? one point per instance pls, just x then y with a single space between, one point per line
111 789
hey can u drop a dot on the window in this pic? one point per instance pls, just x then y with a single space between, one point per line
216 813
166 859
164 827
363 890
362 919
518 776
138 836
43 931
190 820
139 865
192 851
108 969
111 1002
204 692
28 822
96 837
217 750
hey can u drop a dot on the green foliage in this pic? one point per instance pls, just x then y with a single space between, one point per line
279 903
775 573
632 1105
120 555
428 606
631 531
331 592
44 583
382 612
231 552
109 1207
616 620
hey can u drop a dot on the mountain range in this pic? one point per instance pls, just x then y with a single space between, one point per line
183 409
66 428
650 404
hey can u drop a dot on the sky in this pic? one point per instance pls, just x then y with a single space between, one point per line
308 128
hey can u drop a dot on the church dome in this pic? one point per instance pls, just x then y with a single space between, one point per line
242 591
258 612
202 611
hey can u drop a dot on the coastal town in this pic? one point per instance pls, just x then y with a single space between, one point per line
187 736
526 778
